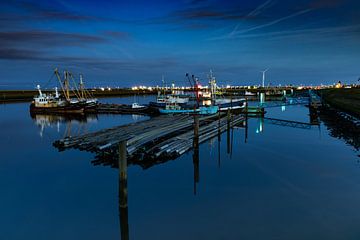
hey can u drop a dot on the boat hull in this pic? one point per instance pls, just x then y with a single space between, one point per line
202 110
72 108
231 105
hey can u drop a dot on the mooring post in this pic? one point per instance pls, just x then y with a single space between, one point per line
196 152
123 203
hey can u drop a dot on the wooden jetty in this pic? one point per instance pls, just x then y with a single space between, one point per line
158 137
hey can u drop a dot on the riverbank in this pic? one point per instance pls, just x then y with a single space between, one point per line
344 99
8 96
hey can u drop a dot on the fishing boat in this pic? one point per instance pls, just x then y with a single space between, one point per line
173 107
162 99
137 106
219 100
176 109
49 103
230 104
85 97
78 101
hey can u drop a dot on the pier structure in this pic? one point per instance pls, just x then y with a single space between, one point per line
154 139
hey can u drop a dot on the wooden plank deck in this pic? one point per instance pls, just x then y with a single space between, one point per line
162 136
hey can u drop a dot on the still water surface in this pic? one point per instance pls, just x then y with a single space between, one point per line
279 183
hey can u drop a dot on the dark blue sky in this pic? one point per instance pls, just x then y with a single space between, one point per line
123 43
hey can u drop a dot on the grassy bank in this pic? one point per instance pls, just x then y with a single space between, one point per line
347 100
7 96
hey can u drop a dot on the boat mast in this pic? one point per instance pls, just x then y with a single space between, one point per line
66 84
39 89
56 72
81 86
163 85
212 82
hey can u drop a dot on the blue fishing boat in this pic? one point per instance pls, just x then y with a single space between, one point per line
176 109
208 110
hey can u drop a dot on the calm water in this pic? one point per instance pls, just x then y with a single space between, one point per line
282 183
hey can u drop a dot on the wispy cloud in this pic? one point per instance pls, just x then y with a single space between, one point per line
117 34
47 38
305 33
258 10
326 3
33 10
274 21
21 54
236 33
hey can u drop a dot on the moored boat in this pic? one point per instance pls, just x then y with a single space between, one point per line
230 104
78 101
204 110
219 100
49 103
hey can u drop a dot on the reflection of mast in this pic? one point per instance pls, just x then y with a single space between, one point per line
82 88
246 127
123 203
246 120
196 152
232 142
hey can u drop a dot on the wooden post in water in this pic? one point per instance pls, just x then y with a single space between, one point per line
123 203
196 152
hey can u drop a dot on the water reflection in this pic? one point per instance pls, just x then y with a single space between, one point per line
260 127
341 128
123 198
115 160
44 121
75 124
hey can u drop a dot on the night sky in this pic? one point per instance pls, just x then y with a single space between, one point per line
126 43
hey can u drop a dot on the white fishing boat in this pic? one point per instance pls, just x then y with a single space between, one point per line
75 100
223 103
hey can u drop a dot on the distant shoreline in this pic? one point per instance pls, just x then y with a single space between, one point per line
12 96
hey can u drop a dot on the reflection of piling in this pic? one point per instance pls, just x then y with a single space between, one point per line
228 131
246 119
123 205
196 151
262 98
219 140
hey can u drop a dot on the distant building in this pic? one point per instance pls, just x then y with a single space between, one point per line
338 85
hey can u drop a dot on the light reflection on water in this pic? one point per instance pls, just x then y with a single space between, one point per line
279 183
